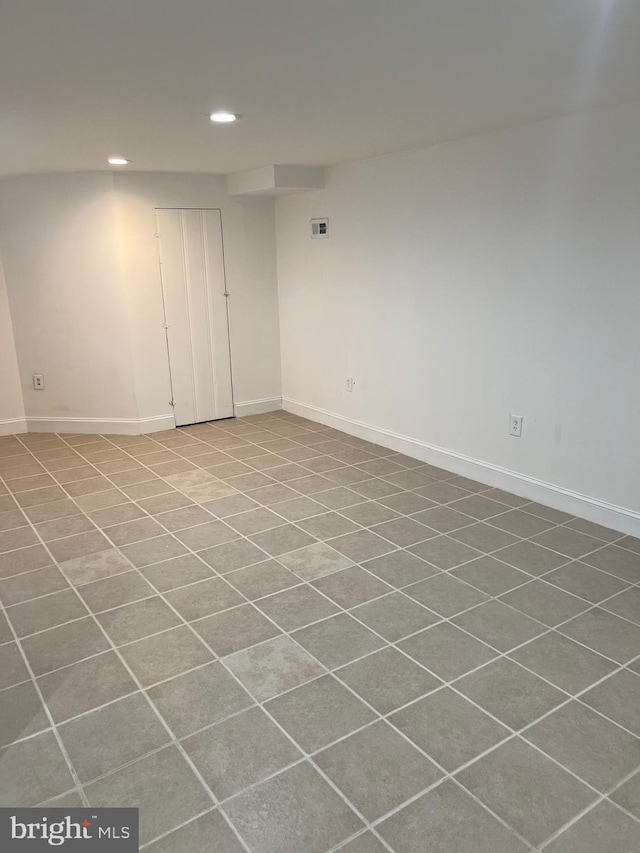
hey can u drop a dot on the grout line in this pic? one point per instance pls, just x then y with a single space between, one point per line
48 714
391 589
186 823
123 662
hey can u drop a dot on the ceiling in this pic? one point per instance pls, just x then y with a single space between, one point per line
317 81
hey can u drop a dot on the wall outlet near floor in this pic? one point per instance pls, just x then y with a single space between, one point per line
38 382
515 425
348 385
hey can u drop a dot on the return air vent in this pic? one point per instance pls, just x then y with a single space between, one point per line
319 228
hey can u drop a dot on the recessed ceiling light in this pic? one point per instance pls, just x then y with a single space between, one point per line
118 161
223 116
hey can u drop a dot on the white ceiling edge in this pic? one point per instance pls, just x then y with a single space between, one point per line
275 180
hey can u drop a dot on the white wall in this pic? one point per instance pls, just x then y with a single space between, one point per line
250 264
11 404
84 288
476 278
65 285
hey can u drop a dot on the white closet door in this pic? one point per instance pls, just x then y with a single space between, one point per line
193 286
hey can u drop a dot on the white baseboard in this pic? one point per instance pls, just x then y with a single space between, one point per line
111 426
257 407
156 424
13 426
600 512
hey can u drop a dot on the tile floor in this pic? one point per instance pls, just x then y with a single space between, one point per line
271 636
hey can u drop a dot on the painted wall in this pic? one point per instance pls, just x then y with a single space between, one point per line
66 290
11 403
250 264
473 279
84 288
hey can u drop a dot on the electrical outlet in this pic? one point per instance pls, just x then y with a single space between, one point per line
349 384
38 382
515 425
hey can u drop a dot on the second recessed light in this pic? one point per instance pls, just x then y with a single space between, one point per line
224 117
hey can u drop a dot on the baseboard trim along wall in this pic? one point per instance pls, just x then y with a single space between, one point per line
600 512
111 426
124 426
13 426
257 407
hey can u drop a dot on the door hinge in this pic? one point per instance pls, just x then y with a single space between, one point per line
226 294
172 403
157 235
165 325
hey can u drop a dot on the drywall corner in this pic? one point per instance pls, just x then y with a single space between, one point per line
64 285
11 401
